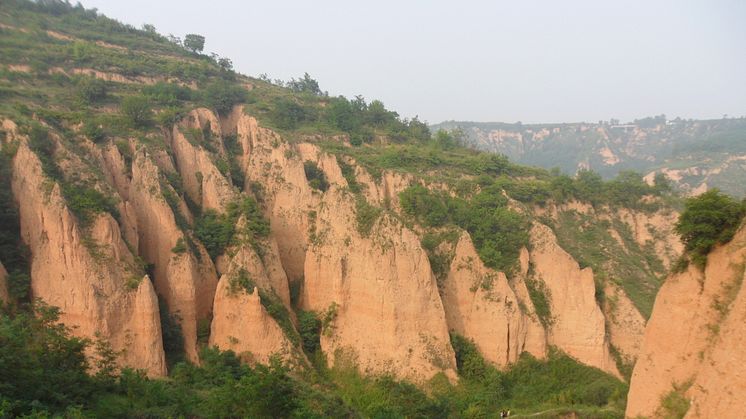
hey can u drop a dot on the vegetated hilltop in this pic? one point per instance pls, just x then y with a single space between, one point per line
277 251
694 154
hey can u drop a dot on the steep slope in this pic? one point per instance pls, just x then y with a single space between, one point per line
577 323
89 274
186 280
694 342
342 270
481 305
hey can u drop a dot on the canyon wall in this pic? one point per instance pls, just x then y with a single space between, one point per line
694 344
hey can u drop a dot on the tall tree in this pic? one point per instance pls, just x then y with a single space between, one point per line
194 42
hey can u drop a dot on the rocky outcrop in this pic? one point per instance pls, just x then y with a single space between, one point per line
89 274
379 293
578 324
186 280
266 270
481 305
387 313
657 229
269 161
695 340
625 324
241 323
203 182
4 296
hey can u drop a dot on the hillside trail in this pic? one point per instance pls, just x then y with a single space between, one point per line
548 411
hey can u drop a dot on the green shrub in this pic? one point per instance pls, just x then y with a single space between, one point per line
366 216
217 231
214 230
137 110
168 94
43 145
674 404
498 232
280 313
222 96
348 172
256 227
173 338
241 281
92 90
309 327
41 365
709 219
288 114
315 176
470 363
169 116
85 202
180 246
94 131
540 298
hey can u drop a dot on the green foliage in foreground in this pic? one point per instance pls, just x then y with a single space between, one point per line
43 371
709 219
530 384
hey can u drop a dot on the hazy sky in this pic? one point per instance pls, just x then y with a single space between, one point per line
533 61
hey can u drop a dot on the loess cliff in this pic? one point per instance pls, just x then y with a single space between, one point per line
383 305
693 348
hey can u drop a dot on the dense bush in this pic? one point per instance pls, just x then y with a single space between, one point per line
709 219
531 383
92 90
306 84
315 176
498 232
366 216
217 231
309 327
167 94
41 365
222 96
288 114
85 202
138 111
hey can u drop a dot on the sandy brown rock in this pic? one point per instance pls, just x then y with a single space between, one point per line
481 305
657 228
288 199
240 323
186 281
695 335
625 323
90 275
720 386
404 331
578 325
202 180
4 296
536 336
389 315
